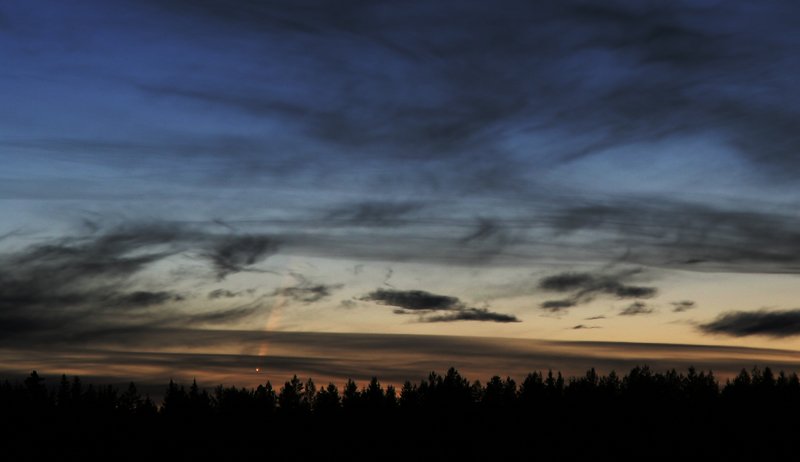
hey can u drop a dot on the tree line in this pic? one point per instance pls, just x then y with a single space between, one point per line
642 414
449 391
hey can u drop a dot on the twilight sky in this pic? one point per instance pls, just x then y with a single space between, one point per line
214 186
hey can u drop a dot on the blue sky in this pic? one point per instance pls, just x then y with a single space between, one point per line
328 166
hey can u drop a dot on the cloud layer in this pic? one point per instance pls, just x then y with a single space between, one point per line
232 356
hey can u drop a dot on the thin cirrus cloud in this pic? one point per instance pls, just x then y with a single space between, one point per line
691 236
636 73
433 307
663 45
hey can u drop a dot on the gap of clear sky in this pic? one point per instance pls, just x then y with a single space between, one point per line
311 186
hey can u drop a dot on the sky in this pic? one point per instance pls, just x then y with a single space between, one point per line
202 188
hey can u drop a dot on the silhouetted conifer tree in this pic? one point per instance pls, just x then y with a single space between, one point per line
309 395
531 390
390 400
63 398
265 399
130 401
328 400
290 395
373 395
409 396
351 397
174 400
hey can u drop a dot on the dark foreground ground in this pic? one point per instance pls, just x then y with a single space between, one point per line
642 415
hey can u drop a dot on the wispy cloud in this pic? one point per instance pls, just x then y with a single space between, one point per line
662 56
306 291
690 236
582 288
235 254
683 305
99 280
222 293
637 308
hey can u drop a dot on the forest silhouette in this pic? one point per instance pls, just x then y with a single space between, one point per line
639 414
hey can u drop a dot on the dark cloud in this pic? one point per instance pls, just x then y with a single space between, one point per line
635 292
567 282
592 318
558 305
583 326
683 305
427 304
142 298
636 308
472 314
584 287
413 300
68 279
778 324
